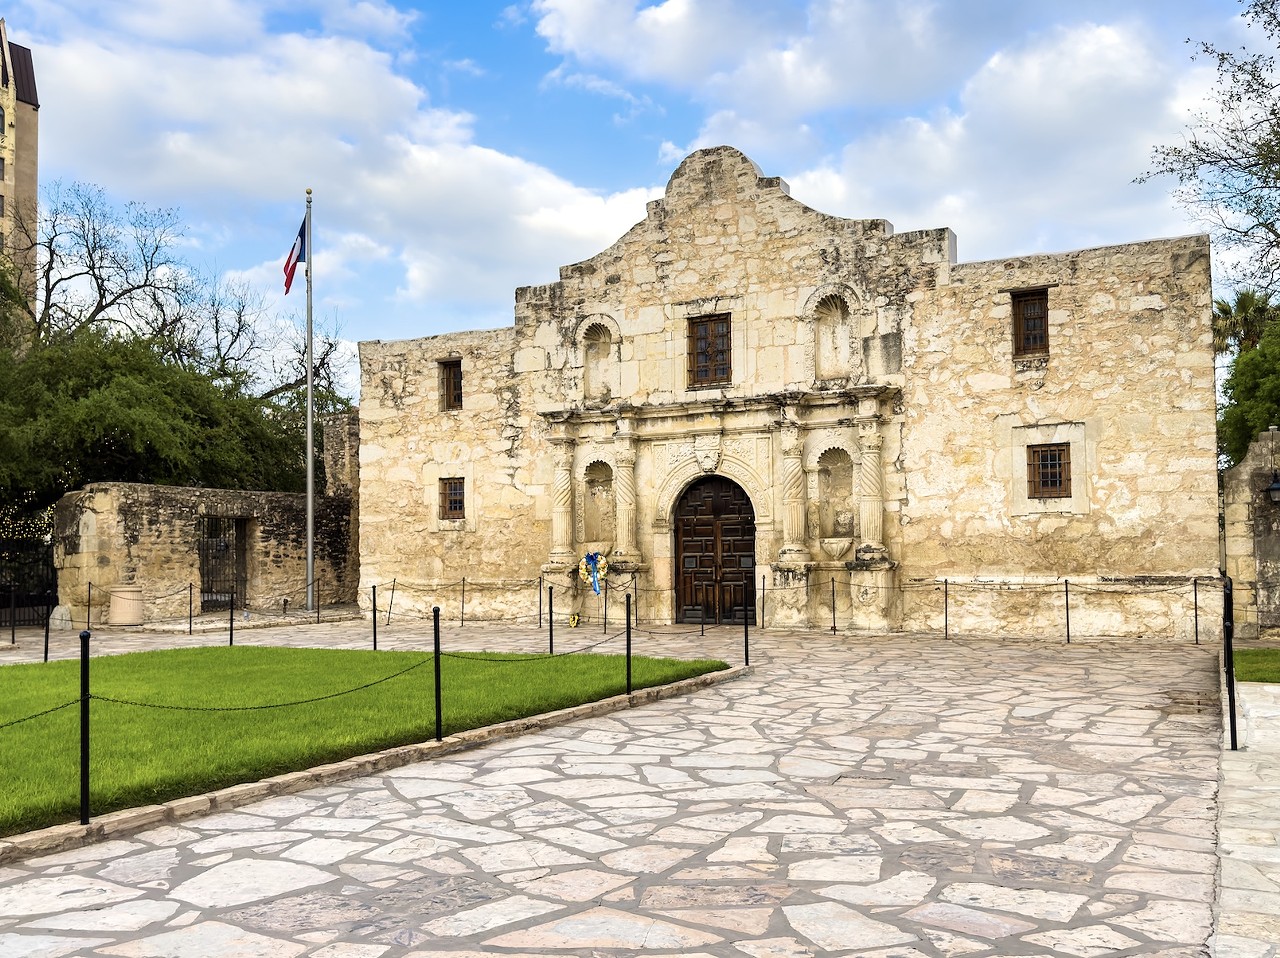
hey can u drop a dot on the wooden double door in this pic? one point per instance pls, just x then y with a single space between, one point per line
715 529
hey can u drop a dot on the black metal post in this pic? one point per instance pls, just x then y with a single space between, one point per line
628 643
84 727
435 617
391 601
1066 595
462 615
551 620
1228 651
191 605
231 632
946 609
764 581
1195 600
48 614
833 605
375 617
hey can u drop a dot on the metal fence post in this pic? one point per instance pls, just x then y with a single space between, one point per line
390 602
551 620
191 605
628 643
1066 594
1228 651
48 614
1195 601
375 617
833 605
84 727
764 581
435 617
231 619
946 609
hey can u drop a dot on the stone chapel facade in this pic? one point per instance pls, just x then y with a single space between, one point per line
757 410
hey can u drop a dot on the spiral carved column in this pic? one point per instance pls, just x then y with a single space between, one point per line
624 497
562 503
871 504
793 495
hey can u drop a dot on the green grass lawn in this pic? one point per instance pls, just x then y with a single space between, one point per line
139 756
1257 665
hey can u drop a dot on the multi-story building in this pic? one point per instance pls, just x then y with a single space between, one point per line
19 138
759 411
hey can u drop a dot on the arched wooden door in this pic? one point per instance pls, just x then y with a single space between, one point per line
715 553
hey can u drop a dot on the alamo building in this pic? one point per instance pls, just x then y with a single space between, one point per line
761 412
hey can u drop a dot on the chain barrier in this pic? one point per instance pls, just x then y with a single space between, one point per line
56 708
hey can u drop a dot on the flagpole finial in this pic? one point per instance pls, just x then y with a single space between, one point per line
308 191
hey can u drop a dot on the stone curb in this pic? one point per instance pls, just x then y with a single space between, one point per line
59 838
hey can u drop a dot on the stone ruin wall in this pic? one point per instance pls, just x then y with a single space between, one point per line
1129 381
1252 538
115 534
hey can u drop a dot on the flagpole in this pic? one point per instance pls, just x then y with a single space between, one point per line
311 472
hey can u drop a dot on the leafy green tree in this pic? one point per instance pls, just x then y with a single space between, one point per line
92 407
1252 392
1228 166
1238 324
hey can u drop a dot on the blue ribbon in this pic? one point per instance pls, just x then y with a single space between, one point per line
593 565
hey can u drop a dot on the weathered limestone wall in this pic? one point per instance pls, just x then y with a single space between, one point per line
1252 537
115 534
408 443
1128 382
875 419
342 484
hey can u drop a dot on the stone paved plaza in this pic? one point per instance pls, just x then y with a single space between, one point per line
896 797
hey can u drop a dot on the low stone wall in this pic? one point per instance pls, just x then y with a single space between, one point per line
116 535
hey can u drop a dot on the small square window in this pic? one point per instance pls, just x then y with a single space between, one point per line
710 351
1049 471
1031 323
453 498
451 384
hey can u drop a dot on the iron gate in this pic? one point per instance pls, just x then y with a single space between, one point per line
223 566
28 582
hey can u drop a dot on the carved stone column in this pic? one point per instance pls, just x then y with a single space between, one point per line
871 504
793 495
624 492
562 502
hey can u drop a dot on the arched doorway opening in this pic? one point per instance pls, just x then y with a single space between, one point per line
715 530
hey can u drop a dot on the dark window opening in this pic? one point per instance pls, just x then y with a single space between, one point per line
451 384
1031 323
710 351
453 498
1049 471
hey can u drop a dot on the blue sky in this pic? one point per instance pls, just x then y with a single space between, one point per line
461 149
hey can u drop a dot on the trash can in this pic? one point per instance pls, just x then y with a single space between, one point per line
126 605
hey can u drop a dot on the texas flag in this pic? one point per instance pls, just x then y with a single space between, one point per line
296 255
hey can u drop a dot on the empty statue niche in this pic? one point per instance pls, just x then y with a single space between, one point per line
835 339
838 515
598 505
597 344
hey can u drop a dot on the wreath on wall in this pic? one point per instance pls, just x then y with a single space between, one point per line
592 570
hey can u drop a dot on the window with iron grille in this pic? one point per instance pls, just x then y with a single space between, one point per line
453 498
1049 471
1031 323
451 384
710 351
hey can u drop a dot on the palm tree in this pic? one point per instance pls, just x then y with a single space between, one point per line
1238 325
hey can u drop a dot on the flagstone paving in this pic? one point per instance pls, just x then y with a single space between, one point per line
894 797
